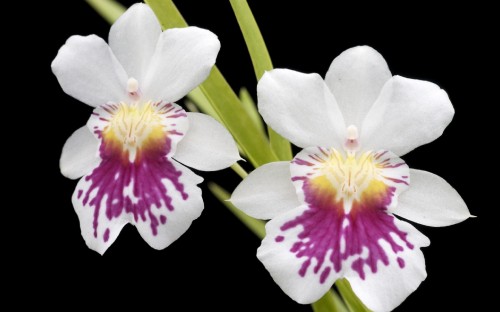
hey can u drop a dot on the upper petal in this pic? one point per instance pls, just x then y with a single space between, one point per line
408 113
431 201
182 60
301 108
80 154
266 192
207 145
390 284
133 39
355 78
88 71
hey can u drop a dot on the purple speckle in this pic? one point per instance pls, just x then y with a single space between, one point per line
163 219
401 262
106 235
324 275
279 238
80 192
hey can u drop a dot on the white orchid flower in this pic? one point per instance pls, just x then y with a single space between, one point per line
131 150
332 208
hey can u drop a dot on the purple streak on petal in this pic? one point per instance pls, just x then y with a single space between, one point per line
302 162
396 180
106 235
380 154
174 132
324 275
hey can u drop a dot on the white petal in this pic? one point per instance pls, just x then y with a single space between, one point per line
301 108
88 71
431 201
207 145
133 39
266 192
355 78
173 223
182 60
389 286
407 114
80 154
284 265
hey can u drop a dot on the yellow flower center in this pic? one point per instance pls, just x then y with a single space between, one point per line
133 126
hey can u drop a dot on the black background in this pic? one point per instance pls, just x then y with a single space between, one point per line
213 265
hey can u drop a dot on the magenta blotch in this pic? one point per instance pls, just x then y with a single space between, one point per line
322 224
353 236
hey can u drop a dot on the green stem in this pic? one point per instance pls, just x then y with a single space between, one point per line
239 170
351 300
109 10
261 63
256 226
330 302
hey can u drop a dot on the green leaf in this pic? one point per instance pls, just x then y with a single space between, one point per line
227 105
280 146
251 108
201 101
221 97
256 226
253 38
330 302
167 13
351 300
261 62
239 170
109 10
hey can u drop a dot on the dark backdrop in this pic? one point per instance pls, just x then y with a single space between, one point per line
213 266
